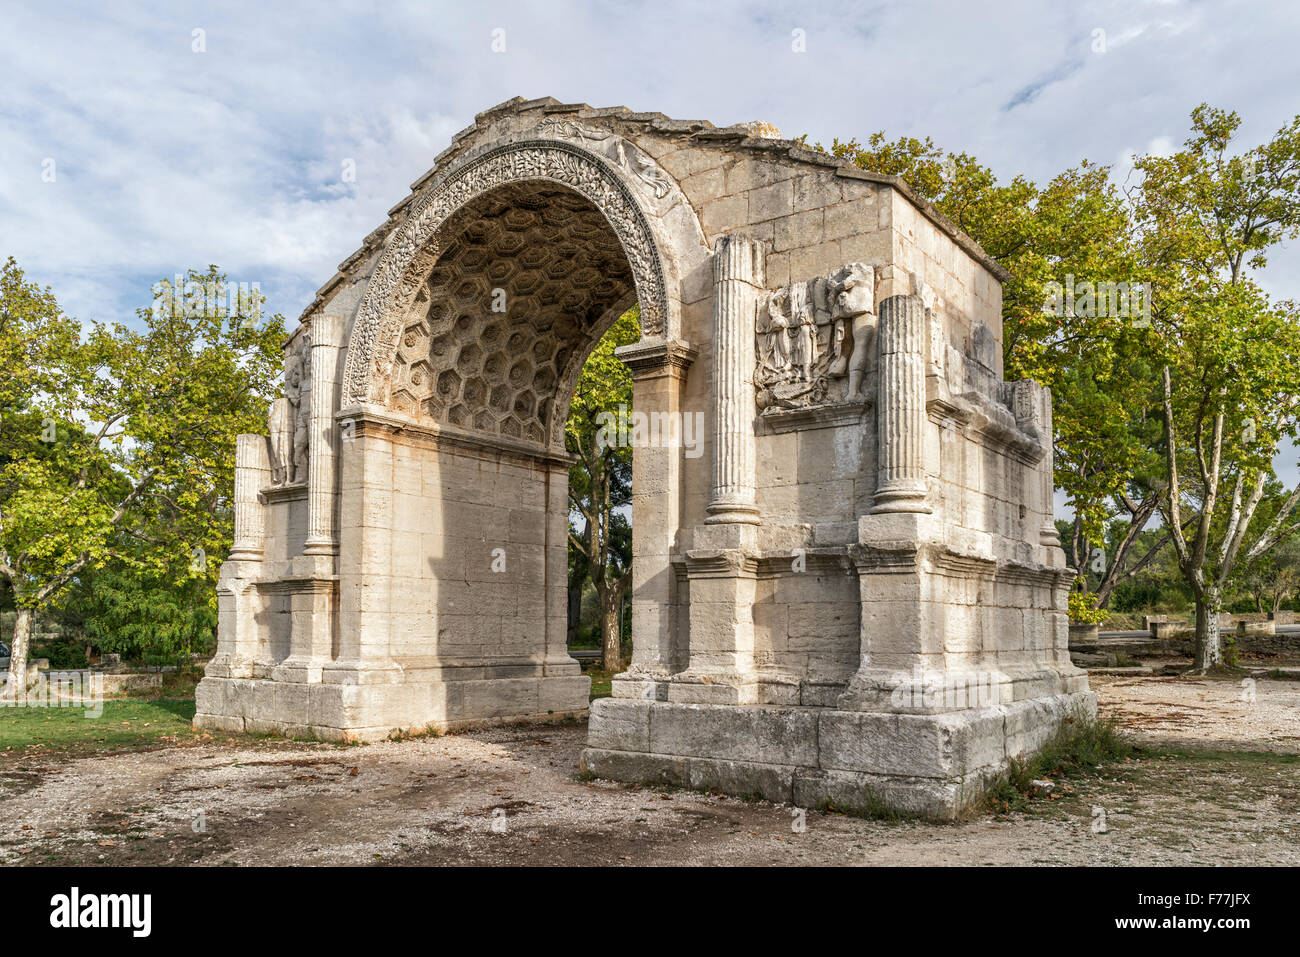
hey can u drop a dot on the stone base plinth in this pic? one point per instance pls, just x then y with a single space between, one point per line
373 712
929 765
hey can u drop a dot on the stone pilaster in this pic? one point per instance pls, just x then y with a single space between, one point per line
901 415
737 283
252 472
659 369
312 611
901 627
365 581
1048 535
238 598
723 574
322 501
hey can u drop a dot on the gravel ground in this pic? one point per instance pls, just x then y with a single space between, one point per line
1215 712
512 796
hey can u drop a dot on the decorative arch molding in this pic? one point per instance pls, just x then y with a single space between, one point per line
415 248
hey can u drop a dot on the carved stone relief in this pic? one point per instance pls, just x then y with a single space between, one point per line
814 338
290 418
644 171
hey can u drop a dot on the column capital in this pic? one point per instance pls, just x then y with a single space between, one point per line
326 330
657 357
737 257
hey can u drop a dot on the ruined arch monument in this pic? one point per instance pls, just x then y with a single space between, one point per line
855 594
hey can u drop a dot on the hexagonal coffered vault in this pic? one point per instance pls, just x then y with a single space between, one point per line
529 277
847 585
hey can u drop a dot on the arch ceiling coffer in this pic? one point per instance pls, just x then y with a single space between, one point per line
508 312
417 246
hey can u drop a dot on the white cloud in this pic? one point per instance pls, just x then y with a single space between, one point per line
169 159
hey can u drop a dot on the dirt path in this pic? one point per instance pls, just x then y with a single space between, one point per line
513 796
1241 714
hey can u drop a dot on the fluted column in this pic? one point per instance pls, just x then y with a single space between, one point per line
252 471
901 417
737 283
322 449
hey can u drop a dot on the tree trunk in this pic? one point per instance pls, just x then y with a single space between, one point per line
1277 603
18 652
611 621
574 612
1209 647
613 635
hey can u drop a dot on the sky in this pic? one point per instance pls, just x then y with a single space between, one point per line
138 140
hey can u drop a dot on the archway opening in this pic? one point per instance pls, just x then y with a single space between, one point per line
599 435
528 278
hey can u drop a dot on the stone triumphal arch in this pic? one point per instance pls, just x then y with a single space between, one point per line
856 594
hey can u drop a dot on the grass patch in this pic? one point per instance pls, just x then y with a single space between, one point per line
125 723
600 681
414 734
1081 745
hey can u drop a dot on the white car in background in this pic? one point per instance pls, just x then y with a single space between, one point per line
4 660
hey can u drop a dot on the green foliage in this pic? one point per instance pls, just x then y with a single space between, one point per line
117 455
1207 221
604 388
1273 578
156 619
1082 609
64 652
1083 743
600 480
1231 655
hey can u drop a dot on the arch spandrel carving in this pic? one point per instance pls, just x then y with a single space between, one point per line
413 252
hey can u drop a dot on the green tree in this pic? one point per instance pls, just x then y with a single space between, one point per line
1272 576
1101 368
600 481
1207 221
139 612
118 443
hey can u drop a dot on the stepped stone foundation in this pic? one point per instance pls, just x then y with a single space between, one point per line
848 591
